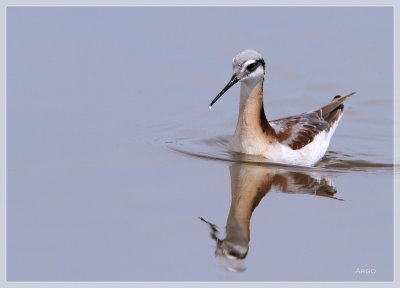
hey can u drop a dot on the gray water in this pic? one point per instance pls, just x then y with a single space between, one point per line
113 154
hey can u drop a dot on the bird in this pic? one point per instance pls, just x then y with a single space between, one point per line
300 140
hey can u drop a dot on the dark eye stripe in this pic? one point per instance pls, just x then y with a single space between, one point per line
252 66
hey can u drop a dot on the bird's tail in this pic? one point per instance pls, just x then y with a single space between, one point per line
332 111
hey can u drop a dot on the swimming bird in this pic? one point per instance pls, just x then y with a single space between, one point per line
300 140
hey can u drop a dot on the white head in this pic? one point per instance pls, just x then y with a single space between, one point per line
248 66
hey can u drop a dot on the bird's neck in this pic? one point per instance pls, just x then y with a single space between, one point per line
251 110
249 185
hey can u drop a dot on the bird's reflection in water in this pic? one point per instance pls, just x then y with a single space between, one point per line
249 184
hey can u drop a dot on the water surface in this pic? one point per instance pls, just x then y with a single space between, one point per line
113 154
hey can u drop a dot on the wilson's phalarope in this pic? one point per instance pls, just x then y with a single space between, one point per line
297 140
249 185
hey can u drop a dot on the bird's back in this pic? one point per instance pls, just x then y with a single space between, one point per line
300 130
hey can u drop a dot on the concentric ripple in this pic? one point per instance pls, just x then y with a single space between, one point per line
216 149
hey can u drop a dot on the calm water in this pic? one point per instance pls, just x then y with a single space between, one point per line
118 171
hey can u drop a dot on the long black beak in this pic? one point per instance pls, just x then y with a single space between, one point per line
232 82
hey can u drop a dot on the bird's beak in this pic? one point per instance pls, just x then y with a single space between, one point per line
232 82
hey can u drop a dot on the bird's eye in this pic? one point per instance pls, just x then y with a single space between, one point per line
251 66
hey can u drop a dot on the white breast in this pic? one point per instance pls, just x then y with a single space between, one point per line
281 153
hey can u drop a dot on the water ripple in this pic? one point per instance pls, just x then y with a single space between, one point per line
215 148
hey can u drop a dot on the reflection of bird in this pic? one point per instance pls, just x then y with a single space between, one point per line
249 184
298 140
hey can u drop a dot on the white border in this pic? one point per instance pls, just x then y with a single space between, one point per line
191 3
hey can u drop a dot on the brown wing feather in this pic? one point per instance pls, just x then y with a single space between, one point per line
298 131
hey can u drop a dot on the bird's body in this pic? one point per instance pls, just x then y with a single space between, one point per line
298 140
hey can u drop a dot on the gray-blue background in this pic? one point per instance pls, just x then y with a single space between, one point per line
93 94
